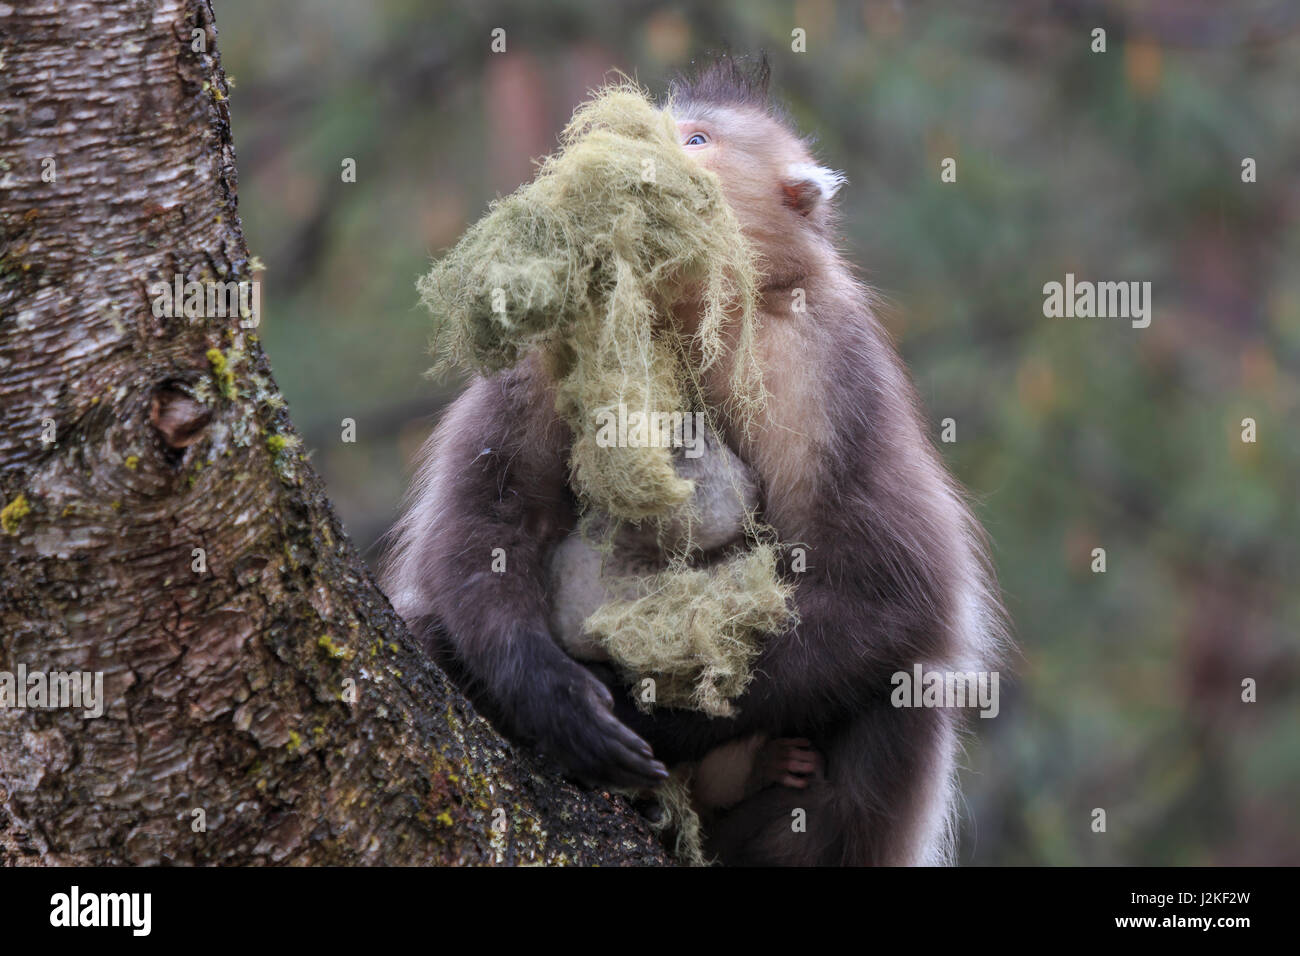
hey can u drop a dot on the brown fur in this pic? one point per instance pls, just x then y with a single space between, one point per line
896 569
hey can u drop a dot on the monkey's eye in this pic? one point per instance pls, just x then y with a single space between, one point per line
696 139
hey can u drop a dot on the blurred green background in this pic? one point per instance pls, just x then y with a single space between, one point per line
1072 434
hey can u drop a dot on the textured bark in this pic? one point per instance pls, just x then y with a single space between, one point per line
224 689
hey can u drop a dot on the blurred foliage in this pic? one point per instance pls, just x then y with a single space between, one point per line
1072 434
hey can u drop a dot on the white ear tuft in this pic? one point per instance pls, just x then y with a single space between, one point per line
827 181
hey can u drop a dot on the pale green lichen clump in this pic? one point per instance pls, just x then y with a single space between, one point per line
585 263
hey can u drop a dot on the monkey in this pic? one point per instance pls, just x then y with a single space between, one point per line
891 569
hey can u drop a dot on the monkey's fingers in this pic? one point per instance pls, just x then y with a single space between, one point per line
632 754
801 763
796 756
787 745
577 727
615 753
602 757
818 764
624 734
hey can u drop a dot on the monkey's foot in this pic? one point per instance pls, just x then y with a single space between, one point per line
790 762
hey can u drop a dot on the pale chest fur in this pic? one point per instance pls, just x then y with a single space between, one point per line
790 434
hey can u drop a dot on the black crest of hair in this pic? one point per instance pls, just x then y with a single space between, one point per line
724 80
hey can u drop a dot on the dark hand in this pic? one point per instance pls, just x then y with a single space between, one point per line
573 721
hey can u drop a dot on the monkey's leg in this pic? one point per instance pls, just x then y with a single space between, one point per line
745 822
886 800
778 826
723 778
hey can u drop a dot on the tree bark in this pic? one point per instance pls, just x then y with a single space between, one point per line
228 734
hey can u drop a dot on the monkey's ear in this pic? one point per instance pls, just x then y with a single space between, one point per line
807 185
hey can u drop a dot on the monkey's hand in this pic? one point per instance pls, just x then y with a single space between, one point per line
787 761
678 736
570 714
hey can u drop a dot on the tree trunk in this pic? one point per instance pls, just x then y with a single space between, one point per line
129 441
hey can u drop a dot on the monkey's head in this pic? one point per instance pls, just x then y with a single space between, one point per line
780 194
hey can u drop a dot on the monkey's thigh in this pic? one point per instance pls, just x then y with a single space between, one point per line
778 826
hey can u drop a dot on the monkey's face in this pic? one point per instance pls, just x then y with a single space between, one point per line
779 194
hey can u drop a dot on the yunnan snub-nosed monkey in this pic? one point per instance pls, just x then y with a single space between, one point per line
812 401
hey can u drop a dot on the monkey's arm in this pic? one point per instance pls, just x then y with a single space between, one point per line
489 504
870 606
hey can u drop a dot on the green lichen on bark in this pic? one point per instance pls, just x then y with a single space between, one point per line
13 513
